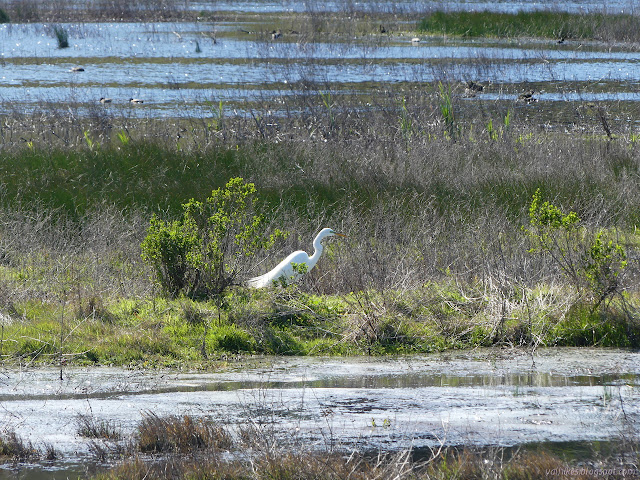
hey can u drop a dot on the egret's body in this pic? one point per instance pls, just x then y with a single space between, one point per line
287 269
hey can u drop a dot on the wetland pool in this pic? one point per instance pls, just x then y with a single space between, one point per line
568 396
180 69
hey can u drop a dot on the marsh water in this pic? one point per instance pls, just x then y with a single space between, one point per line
564 397
186 69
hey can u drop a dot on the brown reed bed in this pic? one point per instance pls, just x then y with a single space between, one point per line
246 455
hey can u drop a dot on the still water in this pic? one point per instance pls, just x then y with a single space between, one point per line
485 398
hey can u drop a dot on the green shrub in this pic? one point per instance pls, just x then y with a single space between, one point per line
592 263
167 248
4 18
231 339
583 327
203 253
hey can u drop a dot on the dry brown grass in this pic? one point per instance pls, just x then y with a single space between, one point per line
175 434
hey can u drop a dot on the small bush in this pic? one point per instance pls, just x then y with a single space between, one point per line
4 18
203 253
592 264
584 327
231 339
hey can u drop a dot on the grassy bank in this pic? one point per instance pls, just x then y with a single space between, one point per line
545 24
436 210
177 333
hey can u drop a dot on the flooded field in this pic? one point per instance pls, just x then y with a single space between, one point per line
184 69
562 397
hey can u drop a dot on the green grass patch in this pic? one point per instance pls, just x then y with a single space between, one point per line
544 24
584 327
163 332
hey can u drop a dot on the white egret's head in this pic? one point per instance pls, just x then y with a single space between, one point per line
329 232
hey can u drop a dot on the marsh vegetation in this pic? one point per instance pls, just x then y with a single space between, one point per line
439 254
183 447
489 200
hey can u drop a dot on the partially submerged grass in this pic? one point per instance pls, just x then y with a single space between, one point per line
245 454
185 447
62 36
179 434
90 427
113 10
15 449
540 23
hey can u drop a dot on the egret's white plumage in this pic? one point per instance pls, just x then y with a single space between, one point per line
286 271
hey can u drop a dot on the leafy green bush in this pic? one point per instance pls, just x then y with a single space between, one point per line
231 339
592 263
4 18
203 253
167 248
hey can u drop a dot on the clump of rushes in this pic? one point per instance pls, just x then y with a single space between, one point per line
179 434
89 427
62 36
13 447
262 457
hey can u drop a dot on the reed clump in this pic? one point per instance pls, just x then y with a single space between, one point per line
62 36
90 427
175 434
14 448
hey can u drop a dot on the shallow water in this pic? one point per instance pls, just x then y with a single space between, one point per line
485 397
178 69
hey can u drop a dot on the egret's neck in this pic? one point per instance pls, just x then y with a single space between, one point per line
317 245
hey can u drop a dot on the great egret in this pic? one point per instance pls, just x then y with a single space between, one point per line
288 269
